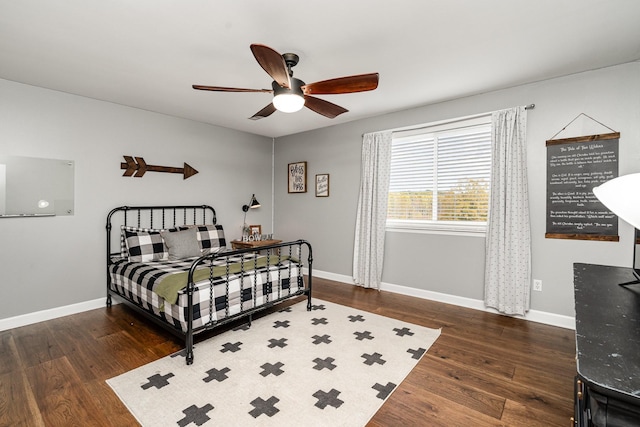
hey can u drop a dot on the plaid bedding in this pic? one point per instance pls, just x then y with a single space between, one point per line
214 297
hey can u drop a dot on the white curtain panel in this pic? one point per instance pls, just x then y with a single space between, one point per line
368 248
508 241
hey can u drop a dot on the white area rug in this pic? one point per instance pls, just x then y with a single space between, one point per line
332 366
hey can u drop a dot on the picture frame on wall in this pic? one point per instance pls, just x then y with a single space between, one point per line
322 185
297 177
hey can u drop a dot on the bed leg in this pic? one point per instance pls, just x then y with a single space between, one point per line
188 346
309 276
108 300
250 318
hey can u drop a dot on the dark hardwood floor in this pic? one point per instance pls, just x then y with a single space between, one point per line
484 370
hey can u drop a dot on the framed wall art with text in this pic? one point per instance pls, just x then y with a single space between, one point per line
297 177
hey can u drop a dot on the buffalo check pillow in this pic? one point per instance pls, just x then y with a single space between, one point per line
211 238
146 244
143 244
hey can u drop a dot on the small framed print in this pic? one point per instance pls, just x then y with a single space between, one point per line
297 177
322 185
255 229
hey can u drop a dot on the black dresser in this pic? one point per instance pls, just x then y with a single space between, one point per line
607 389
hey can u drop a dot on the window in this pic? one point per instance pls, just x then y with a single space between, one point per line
440 177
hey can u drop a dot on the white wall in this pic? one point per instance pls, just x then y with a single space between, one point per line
3 189
451 264
57 261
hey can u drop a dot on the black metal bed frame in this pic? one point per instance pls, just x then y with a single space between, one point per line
169 217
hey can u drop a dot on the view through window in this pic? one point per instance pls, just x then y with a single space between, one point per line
440 177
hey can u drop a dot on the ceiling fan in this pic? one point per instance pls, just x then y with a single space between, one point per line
291 94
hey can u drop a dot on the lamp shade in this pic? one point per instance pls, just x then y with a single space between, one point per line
621 196
288 102
254 203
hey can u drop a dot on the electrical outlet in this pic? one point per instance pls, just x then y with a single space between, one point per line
537 285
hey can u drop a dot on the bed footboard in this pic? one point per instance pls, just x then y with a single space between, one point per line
280 285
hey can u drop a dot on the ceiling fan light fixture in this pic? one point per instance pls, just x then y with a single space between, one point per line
288 102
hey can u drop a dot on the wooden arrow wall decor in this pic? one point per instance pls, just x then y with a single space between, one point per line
136 166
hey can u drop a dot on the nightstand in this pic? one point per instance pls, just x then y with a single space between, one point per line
239 244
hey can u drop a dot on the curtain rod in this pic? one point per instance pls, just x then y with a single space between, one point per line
473 116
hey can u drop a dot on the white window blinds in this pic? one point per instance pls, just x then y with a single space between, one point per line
441 175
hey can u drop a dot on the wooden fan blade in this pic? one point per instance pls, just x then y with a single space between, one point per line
229 89
273 63
265 112
323 107
349 84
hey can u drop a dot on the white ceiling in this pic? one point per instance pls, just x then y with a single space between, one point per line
147 53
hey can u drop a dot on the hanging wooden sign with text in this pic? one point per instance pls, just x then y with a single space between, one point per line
574 167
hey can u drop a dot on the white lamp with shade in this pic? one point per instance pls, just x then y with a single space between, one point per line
620 196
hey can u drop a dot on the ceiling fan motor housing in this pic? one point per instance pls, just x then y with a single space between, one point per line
296 88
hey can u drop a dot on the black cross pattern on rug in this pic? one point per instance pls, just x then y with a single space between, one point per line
318 307
356 318
403 331
365 335
383 390
272 369
216 374
370 359
267 407
321 339
281 324
157 381
195 415
285 310
327 398
282 343
232 347
321 321
327 363
416 354
181 353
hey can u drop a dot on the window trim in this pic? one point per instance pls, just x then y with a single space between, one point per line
457 228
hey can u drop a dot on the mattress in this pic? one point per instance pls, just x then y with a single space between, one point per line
224 286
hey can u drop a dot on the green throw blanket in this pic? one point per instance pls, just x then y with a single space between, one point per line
169 285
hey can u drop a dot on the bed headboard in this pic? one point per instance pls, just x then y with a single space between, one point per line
157 217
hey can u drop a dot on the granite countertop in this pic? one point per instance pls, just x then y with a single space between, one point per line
608 330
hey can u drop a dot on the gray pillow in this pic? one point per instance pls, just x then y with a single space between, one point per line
182 244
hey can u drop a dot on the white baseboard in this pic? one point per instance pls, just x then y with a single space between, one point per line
566 322
537 316
53 313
